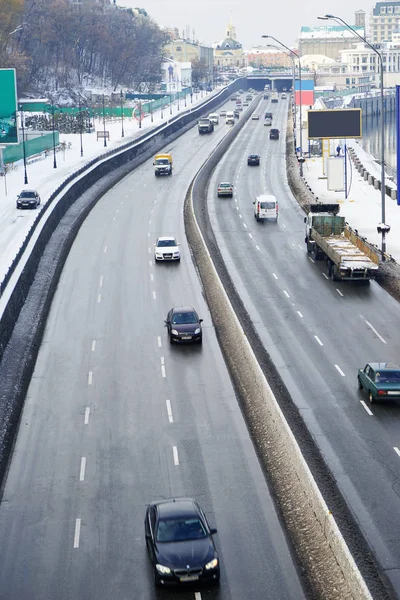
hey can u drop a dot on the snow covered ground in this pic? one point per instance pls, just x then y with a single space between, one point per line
14 223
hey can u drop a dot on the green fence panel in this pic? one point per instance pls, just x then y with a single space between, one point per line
34 146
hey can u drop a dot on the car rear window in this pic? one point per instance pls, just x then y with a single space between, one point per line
267 205
388 377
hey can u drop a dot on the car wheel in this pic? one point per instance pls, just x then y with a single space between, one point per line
360 386
171 341
200 340
371 398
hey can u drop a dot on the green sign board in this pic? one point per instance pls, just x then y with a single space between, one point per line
8 107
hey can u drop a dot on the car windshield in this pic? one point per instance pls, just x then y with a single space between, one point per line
388 377
27 194
180 318
179 530
166 243
162 161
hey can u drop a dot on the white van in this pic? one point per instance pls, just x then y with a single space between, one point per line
214 118
265 207
230 117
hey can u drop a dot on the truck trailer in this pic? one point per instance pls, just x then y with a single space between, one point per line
347 256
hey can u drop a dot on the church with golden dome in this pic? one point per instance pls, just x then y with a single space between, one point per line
229 52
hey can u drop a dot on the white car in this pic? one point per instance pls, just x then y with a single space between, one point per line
268 122
255 117
222 113
166 248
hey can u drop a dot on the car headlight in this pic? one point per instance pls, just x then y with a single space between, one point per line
196 331
174 332
159 254
211 565
176 253
163 570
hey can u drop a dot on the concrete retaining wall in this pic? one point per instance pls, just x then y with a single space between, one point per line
372 180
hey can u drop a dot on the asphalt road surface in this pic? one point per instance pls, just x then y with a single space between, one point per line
115 417
318 333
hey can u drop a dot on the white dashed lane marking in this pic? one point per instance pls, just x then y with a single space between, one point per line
340 370
375 331
371 414
82 470
339 292
286 294
318 340
159 341
93 345
99 299
77 533
101 281
300 315
105 249
175 454
325 275
163 373
154 295
395 448
90 377
169 411
87 413
275 276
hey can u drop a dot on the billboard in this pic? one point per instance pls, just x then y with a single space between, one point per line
307 92
8 107
334 123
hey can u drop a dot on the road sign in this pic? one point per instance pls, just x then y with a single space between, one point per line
138 114
335 123
8 107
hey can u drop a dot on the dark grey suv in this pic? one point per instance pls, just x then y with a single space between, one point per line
28 199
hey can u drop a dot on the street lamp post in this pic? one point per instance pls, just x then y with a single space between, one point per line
140 114
80 122
301 160
122 117
104 124
383 228
54 137
23 143
293 94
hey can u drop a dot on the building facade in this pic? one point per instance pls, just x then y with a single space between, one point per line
186 51
262 56
384 22
328 40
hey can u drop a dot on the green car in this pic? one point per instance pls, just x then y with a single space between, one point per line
380 380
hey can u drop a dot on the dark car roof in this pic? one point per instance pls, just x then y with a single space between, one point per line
183 309
274 130
254 156
384 366
176 506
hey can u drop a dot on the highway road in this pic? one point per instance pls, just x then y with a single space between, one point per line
115 417
317 332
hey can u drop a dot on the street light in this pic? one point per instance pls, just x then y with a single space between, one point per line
301 160
384 229
293 92
54 137
122 118
104 125
23 143
80 122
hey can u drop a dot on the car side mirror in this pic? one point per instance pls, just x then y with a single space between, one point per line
305 219
213 531
200 320
148 536
166 321
254 201
19 196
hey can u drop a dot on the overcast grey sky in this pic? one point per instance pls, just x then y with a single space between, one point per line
280 18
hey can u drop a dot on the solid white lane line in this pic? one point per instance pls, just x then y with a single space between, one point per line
318 340
101 281
340 370
325 275
83 467
105 249
159 341
339 292
151 277
87 413
175 453
99 299
276 276
395 448
169 411
312 260
154 295
300 315
90 377
375 331
77 533
93 345
371 414
286 294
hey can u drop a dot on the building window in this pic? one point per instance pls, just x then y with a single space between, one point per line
397 10
179 48
390 10
347 80
383 10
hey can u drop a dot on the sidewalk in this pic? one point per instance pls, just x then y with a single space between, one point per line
15 224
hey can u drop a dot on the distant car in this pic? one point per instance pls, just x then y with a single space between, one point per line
239 108
381 381
233 97
268 122
274 134
180 543
268 115
253 159
255 117
222 113
245 103
283 96
184 325
166 248
266 96
236 113
225 189
28 199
